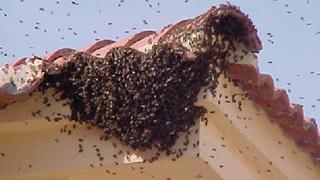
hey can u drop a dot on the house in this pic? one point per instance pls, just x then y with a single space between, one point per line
250 130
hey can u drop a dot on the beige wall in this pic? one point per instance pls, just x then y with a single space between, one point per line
32 140
232 147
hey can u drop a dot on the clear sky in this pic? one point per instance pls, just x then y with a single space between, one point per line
35 26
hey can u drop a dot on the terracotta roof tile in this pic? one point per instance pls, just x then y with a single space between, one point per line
260 87
138 37
97 45
19 62
123 43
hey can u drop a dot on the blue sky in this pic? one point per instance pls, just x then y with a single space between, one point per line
37 26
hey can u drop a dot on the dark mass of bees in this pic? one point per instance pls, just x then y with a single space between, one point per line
144 100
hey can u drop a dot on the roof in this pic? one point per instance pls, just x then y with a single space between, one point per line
16 84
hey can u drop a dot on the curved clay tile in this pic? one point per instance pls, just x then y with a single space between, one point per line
148 40
101 53
172 28
19 62
56 54
59 61
154 38
151 38
97 45
163 32
138 37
